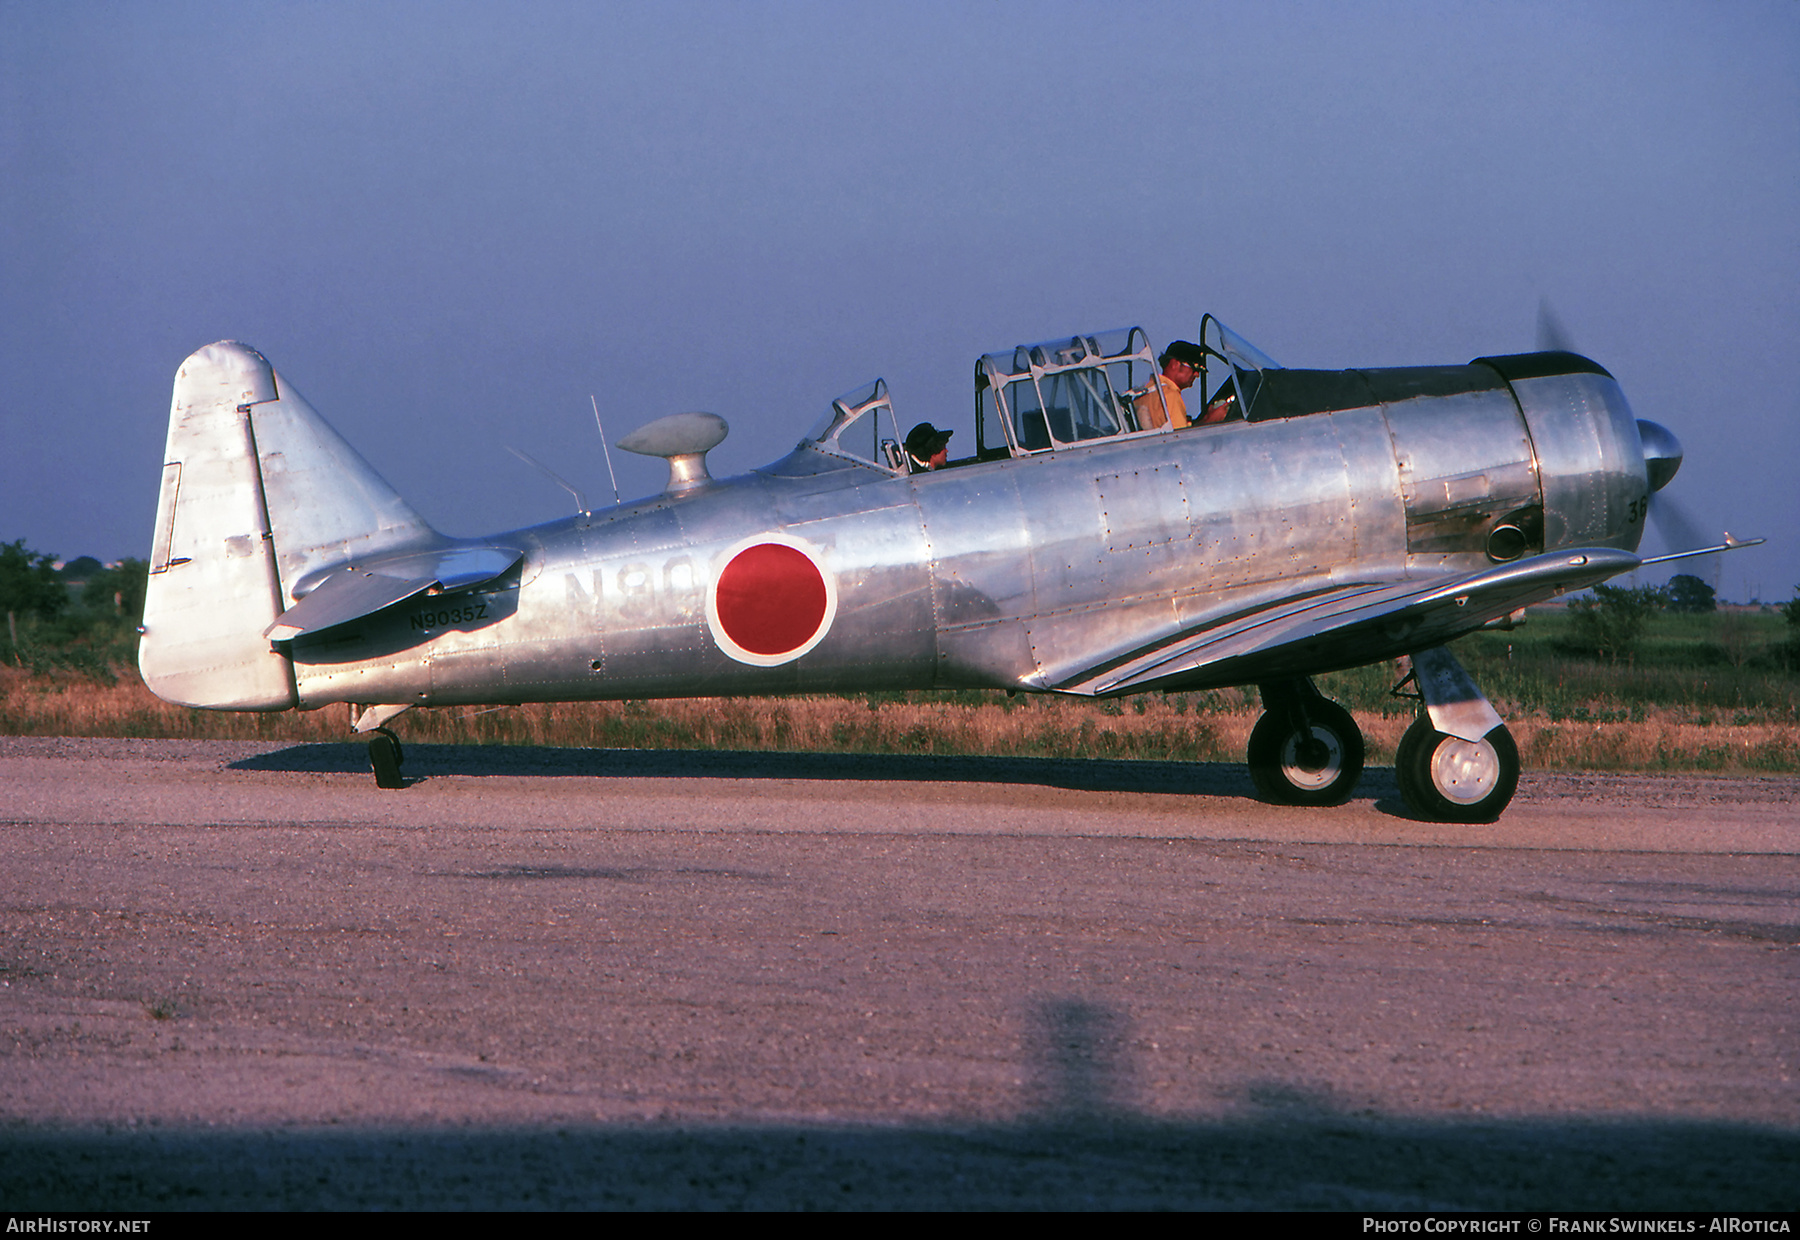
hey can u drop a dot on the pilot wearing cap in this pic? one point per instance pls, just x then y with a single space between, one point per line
1163 404
927 448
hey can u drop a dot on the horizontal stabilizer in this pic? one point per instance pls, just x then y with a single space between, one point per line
350 593
344 596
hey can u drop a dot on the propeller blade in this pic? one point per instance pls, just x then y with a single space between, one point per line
1678 529
1674 524
1552 337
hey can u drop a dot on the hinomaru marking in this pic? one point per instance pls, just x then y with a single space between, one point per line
774 599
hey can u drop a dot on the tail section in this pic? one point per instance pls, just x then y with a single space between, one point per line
259 498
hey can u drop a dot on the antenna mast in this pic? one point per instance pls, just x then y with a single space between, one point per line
603 448
580 500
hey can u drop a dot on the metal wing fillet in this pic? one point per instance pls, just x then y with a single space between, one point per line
1349 625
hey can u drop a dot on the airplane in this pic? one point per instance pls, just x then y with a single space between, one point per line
1331 519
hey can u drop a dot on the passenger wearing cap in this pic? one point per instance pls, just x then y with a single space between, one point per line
927 448
1163 404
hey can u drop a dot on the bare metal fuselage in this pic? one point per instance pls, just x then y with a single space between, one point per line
1027 573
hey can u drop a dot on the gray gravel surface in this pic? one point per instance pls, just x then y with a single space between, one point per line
240 976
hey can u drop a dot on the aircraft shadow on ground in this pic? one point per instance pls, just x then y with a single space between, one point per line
1079 1145
423 762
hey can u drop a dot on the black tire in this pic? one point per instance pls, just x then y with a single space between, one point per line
1289 772
384 757
1448 780
1405 761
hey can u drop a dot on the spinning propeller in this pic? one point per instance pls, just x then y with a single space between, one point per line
1662 458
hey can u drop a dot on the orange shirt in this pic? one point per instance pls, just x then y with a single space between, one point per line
1150 409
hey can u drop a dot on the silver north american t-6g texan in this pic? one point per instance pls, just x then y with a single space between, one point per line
1333 518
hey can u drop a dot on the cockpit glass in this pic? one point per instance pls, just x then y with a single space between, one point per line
1241 352
1064 391
860 424
1246 360
1079 404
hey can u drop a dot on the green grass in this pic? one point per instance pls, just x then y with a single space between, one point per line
1723 667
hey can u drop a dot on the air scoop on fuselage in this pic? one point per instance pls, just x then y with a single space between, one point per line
1662 453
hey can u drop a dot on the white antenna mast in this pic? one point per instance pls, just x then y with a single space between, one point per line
603 448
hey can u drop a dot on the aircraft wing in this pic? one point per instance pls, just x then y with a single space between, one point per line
1348 625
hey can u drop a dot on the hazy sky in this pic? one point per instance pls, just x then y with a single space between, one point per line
448 224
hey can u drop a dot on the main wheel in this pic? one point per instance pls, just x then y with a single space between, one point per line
384 757
1449 780
1317 765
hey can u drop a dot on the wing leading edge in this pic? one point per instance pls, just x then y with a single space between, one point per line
1348 626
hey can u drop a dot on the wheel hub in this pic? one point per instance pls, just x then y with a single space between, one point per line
1465 771
1312 754
1312 760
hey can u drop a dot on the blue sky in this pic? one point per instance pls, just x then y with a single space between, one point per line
448 224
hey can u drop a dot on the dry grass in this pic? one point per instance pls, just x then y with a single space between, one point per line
1210 727
1664 742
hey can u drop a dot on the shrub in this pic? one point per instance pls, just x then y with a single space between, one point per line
29 586
1687 593
1611 622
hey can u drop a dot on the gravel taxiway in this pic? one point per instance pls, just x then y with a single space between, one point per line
237 974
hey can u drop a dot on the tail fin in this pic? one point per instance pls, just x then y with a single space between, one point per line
257 493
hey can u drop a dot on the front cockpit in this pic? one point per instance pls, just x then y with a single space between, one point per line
1078 389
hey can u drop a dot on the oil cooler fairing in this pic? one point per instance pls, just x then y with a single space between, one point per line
1589 452
1467 474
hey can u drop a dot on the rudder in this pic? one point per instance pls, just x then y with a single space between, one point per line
258 495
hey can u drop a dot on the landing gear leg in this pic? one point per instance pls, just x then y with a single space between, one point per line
386 756
1457 763
1306 749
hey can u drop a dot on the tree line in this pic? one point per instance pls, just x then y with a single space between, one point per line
84 616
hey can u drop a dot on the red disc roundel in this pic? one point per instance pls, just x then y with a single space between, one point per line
771 602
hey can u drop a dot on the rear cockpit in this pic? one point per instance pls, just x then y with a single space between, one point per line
859 425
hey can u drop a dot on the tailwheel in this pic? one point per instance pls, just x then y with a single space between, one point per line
1306 753
385 756
1445 779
